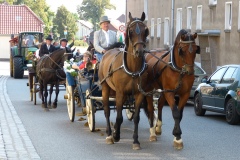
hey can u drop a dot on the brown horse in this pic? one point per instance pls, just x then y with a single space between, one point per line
50 71
173 73
120 72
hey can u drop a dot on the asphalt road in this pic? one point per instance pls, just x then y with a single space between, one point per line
55 137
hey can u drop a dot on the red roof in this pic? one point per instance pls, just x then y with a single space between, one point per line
18 18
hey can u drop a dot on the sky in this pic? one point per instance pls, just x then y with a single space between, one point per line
71 5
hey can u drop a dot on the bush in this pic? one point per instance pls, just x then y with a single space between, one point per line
80 43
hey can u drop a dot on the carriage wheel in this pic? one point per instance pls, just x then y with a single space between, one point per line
70 102
90 113
34 90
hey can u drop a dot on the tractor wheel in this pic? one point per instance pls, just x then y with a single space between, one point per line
11 65
18 67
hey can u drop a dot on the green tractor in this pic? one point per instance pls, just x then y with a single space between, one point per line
22 45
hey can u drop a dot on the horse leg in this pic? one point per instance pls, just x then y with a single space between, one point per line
56 98
150 113
45 96
177 115
119 119
105 96
50 96
136 118
161 102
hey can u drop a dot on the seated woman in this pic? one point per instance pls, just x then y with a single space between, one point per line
84 84
87 57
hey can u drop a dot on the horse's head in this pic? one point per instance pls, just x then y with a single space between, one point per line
187 47
136 34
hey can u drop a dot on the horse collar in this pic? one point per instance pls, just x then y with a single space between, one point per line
134 74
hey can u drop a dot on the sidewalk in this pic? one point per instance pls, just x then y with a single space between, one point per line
14 140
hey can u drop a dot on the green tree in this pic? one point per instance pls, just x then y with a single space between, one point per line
93 10
65 20
42 10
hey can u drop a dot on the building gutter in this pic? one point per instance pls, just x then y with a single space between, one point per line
172 23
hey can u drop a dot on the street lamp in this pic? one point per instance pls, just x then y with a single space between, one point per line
65 31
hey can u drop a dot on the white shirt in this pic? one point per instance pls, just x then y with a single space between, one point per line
37 53
106 33
48 46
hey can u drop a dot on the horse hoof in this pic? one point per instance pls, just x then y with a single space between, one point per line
116 138
153 138
49 106
109 140
158 130
158 133
136 147
46 109
43 106
54 106
178 144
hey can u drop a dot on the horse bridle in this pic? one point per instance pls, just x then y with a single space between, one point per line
138 32
180 52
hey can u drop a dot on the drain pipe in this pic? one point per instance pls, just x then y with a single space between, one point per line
172 23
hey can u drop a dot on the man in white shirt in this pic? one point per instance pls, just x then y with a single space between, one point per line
103 38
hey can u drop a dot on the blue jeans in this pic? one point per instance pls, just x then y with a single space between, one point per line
98 56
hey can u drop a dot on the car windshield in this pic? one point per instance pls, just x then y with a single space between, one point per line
29 40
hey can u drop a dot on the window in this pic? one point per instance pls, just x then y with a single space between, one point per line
199 18
166 31
18 18
239 15
152 28
217 76
228 15
189 18
158 27
179 20
212 2
230 75
146 9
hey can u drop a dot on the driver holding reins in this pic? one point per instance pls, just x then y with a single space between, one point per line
103 38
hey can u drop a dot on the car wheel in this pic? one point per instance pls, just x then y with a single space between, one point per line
231 114
199 111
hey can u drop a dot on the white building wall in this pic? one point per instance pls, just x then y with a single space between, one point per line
5 46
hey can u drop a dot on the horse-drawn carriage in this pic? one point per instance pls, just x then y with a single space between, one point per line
123 73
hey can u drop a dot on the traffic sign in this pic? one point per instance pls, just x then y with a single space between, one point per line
122 28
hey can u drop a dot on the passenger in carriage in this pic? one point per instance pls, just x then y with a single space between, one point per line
103 38
87 57
63 45
47 47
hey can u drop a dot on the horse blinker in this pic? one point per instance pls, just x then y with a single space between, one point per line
198 50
